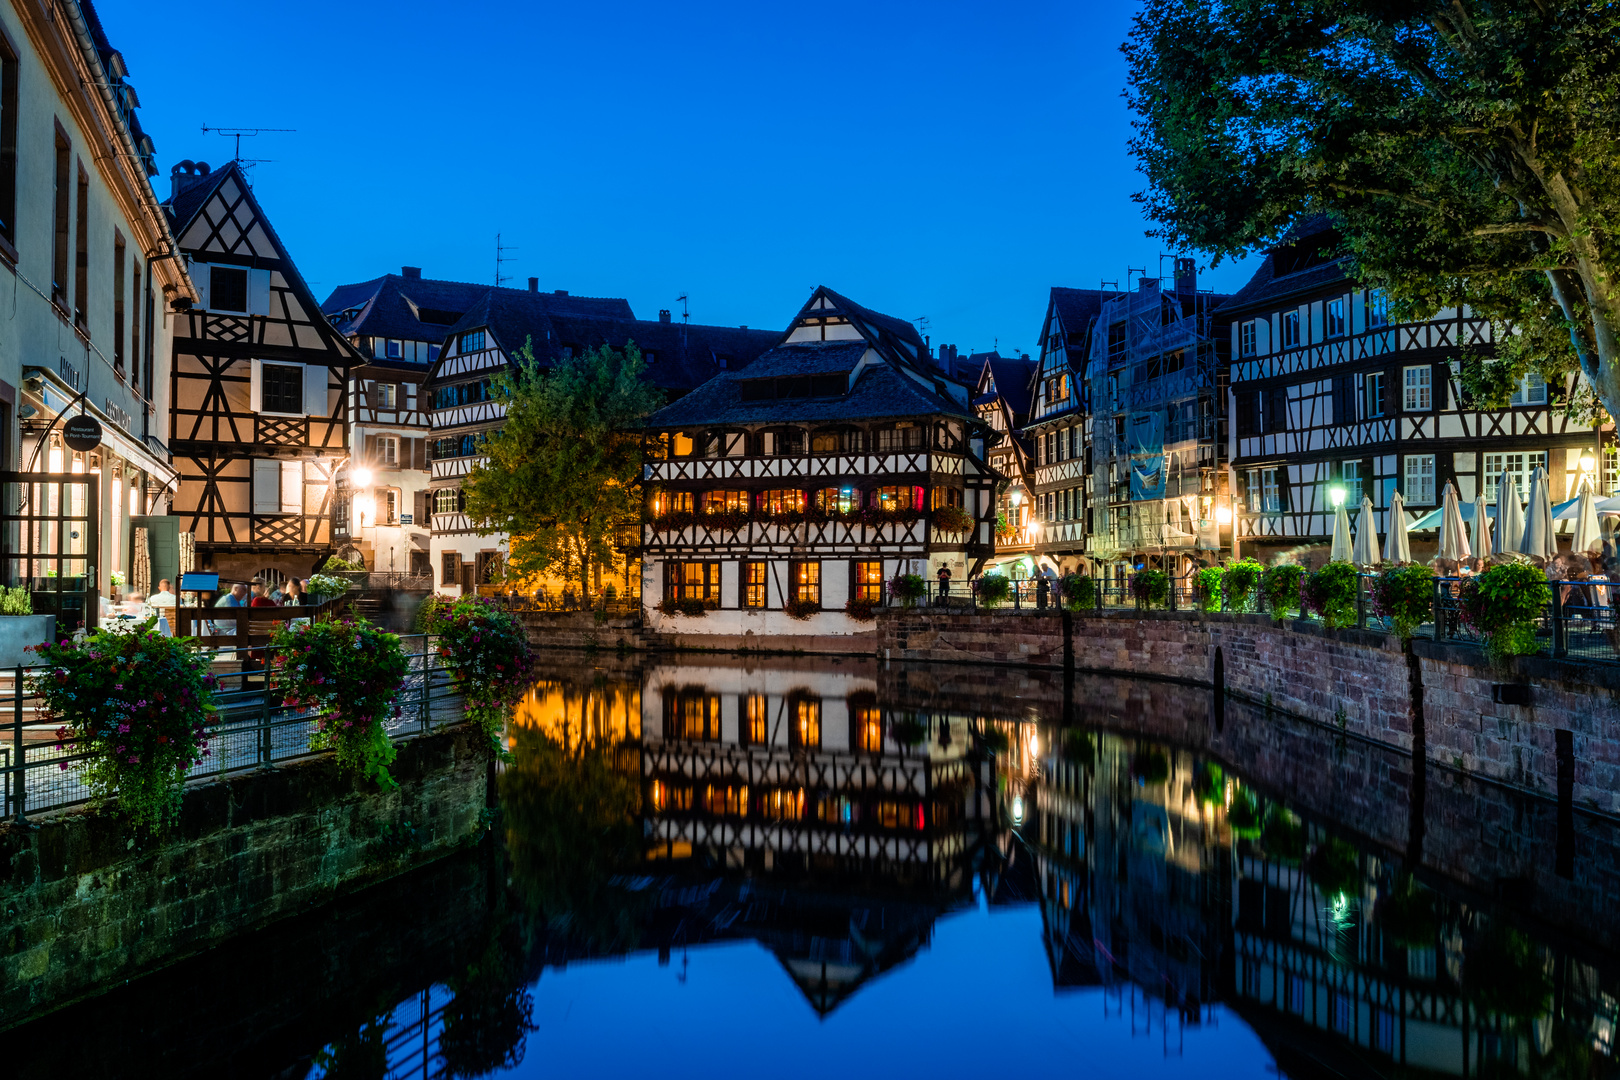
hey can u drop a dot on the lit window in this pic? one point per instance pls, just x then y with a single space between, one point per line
869 729
754 585
1418 388
756 717
715 502
807 582
1519 467
869 581
807 722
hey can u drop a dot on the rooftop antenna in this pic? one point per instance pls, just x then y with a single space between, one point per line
500 257
238 133
685 313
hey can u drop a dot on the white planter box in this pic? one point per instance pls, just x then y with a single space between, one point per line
17 632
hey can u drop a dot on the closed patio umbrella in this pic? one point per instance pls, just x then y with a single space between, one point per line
1366 549
1453 537
1588 537
1482 529
1509 515
1539 540
1340 552
1400 546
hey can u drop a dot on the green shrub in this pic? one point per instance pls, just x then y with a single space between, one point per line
1240 580
1280 586
351 673
1079 592
1150 587
335 565
138 705
1207 586
908 589
1503 604
994 589
1331 593
16 601
1405 596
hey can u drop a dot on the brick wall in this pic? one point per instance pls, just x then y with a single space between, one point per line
1357 681
86 903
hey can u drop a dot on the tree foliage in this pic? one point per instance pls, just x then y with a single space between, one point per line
564 467
1466 150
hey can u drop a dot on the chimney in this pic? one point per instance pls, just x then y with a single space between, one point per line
412 272
663 314
1186 276
558 292
185 175
534 284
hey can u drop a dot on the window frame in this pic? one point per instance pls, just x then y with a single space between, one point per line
1372 394
1425 493
1333 321
862 586
265 367
1249 338
804 581
1418 395
1290 329
754 594
471 341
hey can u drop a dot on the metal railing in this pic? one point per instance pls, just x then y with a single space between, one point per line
1580 623
253 729
616 603
387 579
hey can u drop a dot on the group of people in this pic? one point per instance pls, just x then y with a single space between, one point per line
259 593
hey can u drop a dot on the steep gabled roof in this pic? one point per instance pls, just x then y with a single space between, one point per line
680 355
881 391
1307 259
1075 309
1014 381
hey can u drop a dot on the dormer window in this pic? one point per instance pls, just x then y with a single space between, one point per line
793 386
471 341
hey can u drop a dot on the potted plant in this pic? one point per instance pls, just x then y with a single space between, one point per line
1405 596
20 628
351 673
1207 587
488 651
1079 591
1240 581
1502 605
1331 593
800 609
324 587
994 589
1280 586
1150 587
952 519
138 705
908 589
860 610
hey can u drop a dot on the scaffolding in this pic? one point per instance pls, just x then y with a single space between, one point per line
1157 381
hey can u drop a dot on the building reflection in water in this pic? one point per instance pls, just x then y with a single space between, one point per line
831 817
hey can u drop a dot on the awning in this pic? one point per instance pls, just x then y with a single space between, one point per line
56 399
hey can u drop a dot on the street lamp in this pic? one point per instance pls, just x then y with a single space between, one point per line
1336 495
362 477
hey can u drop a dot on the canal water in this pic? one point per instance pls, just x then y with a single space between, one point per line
812 868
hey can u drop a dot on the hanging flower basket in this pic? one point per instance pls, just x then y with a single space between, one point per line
487 649
351 673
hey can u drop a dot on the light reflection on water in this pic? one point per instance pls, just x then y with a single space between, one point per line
801 867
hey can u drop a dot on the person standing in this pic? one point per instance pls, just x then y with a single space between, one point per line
944 581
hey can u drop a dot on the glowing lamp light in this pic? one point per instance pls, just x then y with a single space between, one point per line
1016 497
1223 514
1336 493
1018 810
362 477
1588 462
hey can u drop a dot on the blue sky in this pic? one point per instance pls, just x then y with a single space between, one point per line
947 160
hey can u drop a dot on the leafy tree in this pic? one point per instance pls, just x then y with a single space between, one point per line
1467 150
564 467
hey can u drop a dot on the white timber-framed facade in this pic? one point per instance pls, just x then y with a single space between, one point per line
811 479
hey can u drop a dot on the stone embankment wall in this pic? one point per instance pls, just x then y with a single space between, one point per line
85 903
584 630
1358 681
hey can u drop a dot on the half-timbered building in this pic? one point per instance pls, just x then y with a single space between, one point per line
1155 374
1056 489
1002 400
398 323
809 479
1328 393
259 424
89 266
555 326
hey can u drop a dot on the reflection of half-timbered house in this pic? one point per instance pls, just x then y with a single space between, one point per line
1328 393
772 768
1002 398
258 421
555 326
834 462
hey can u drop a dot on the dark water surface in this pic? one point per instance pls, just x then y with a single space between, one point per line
806 868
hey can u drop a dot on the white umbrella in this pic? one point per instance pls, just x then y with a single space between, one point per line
1366 550
1340 551
1482 529
1453 537
1400 547
1509 515
1539 540
1588 537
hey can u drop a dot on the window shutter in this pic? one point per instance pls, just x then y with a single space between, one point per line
422 514
1389 381
1245 412
292 487
368 450
256 385
199 281
419 454
1442 384
258 292
266 486
315 403
1276 409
